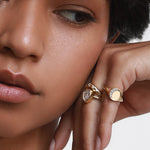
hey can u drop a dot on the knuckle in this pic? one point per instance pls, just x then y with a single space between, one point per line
122 63
88 144
120 58
81 144
116 58
106 123
109 50
106 52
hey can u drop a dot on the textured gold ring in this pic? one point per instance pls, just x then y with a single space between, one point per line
91 92
114 94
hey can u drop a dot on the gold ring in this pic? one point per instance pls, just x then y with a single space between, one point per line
91 92
114 94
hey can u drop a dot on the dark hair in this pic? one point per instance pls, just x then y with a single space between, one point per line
129 17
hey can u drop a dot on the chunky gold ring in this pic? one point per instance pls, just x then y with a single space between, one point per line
114 94
91 92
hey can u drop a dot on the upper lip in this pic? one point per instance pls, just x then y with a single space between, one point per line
17 79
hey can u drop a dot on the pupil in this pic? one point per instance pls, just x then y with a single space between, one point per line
80 17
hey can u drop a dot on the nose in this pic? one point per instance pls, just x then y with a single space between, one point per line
22 35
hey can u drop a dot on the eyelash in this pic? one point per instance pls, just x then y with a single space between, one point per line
75 17
3 1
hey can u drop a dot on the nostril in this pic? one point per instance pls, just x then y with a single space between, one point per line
6 50
16 53
33 56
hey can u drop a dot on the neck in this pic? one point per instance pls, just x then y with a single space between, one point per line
38 139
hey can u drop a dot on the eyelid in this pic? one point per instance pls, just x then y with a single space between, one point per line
77 7
88 18
3 3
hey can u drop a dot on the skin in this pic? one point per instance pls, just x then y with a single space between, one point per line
57 56
92 131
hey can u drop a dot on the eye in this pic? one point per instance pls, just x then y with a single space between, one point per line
3 2
75 17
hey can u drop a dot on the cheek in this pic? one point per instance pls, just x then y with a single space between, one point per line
60 75
77 49
69 62
81 50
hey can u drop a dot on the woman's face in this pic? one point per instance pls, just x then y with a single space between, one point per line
47 50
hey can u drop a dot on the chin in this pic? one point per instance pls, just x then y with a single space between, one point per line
11 132
11 128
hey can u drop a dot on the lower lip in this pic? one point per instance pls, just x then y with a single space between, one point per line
13 94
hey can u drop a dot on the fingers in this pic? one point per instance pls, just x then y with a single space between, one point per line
115 69
91 111
120 72
108 109
107 117
63 132
77 126
90 124
91 139
108 113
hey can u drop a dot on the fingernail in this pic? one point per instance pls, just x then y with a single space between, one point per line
98 143
52 145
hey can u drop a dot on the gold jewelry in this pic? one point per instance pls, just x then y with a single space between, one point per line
114 94
91 92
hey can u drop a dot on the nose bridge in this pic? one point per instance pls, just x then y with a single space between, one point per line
24 35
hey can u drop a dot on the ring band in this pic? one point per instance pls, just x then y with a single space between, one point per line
91 92
114 94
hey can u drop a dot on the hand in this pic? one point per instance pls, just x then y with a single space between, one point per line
121 66
125 66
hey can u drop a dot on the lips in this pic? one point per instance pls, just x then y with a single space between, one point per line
15 87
